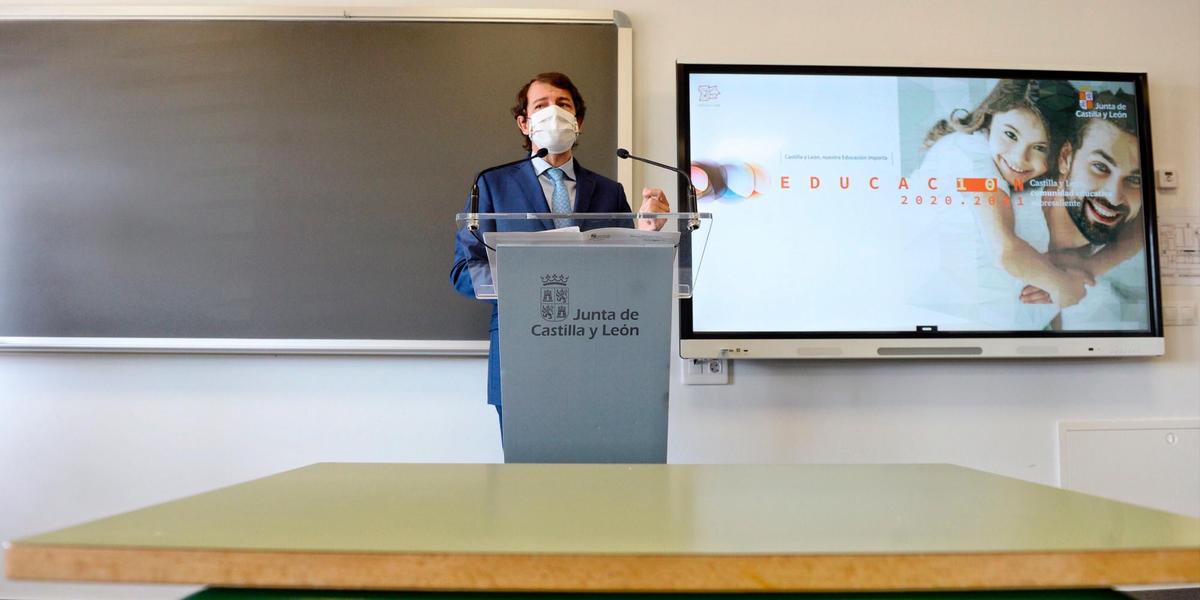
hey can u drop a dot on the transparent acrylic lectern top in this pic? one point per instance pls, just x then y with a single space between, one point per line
686 232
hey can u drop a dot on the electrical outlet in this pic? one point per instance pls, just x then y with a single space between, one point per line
1168 179
704 371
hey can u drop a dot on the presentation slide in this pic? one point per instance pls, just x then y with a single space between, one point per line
898 204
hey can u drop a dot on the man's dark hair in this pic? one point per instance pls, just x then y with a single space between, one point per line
557 80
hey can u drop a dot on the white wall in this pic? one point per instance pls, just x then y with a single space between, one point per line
83 435
86 436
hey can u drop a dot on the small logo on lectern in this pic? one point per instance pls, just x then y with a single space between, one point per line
556 297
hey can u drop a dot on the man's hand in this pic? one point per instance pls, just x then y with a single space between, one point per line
653 200
1073 290
1069 289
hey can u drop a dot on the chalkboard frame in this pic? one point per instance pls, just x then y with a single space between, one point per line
624 122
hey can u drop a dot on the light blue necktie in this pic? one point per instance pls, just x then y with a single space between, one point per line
560 202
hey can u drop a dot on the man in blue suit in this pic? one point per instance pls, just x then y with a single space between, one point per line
549 111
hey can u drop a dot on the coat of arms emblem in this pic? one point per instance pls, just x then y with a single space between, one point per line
556 297
1087 100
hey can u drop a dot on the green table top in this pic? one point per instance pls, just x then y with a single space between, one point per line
638 509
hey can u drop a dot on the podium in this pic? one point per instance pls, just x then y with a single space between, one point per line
584 303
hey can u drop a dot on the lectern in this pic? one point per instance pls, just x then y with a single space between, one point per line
585 327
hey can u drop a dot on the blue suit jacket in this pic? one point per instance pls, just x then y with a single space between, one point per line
516 189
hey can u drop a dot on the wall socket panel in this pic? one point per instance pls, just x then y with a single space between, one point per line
1167 179
704 371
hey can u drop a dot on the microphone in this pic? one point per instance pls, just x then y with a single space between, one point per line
473 219
692 207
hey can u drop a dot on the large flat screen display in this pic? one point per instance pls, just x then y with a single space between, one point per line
866 212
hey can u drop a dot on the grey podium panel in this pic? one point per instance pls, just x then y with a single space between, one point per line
584 352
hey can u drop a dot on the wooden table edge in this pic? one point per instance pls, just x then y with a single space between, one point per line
604 572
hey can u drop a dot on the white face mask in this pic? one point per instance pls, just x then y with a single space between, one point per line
553 128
